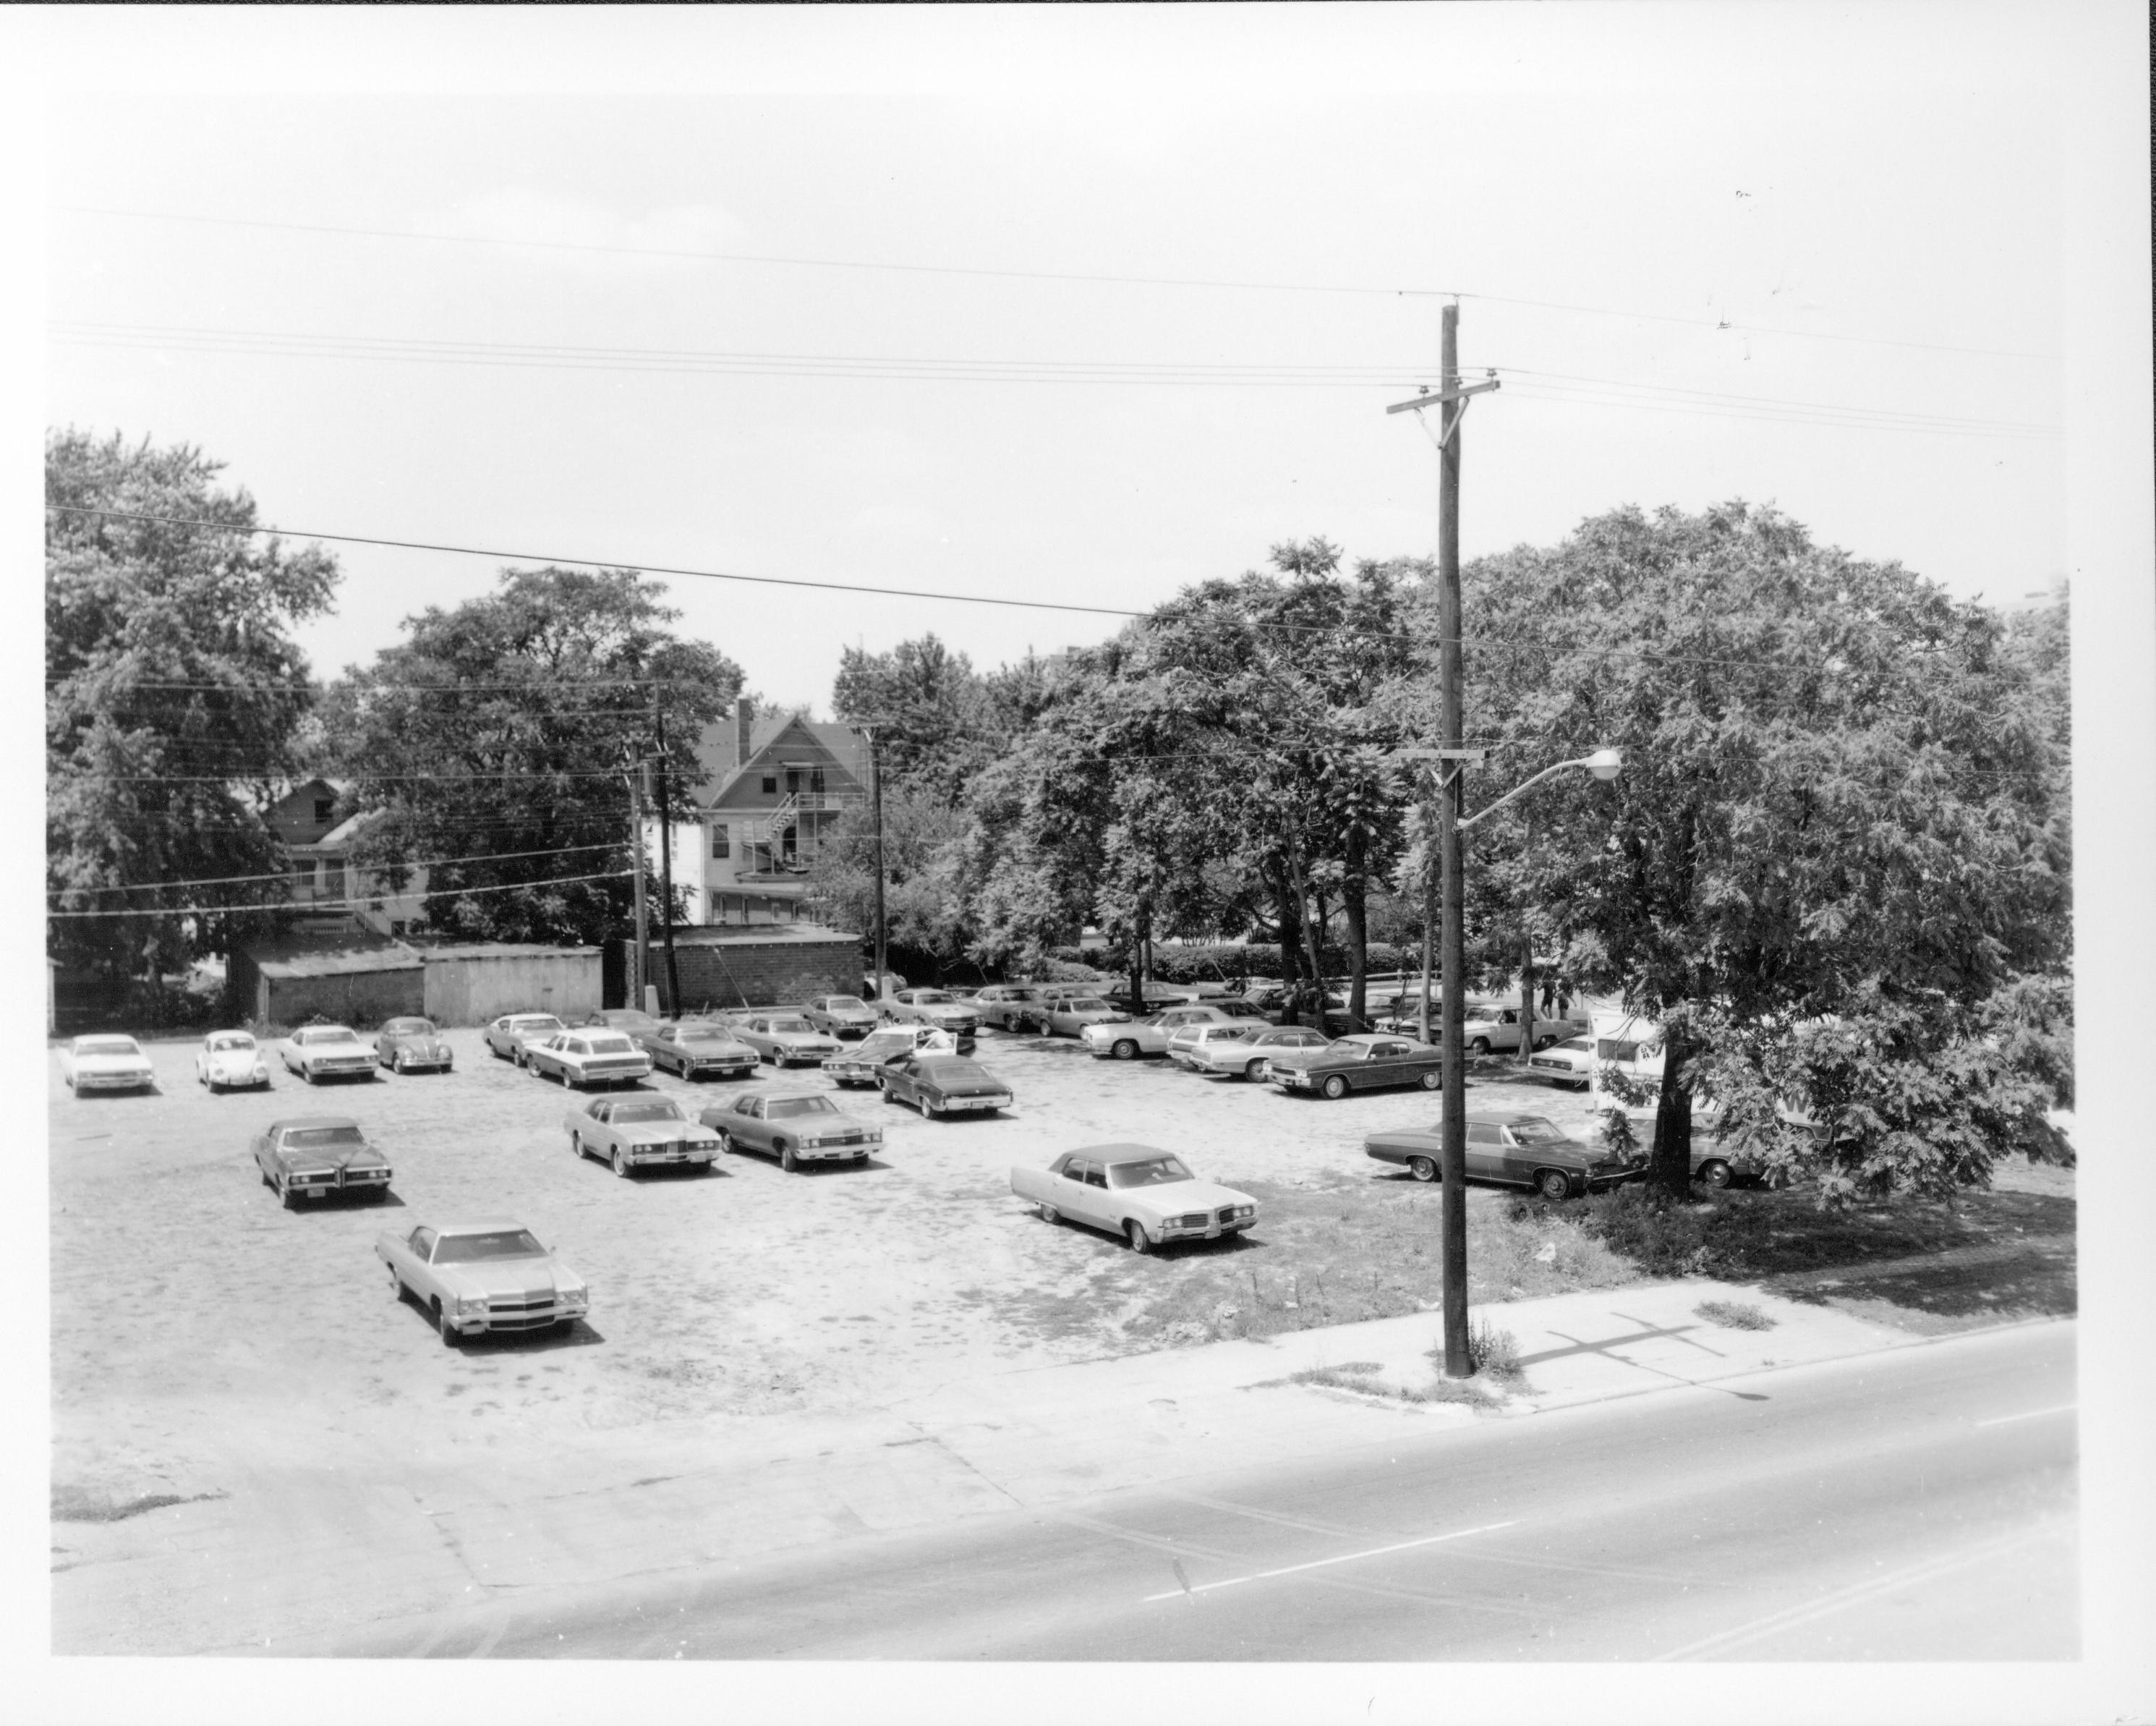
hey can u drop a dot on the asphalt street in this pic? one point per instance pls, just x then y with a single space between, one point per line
1917 1505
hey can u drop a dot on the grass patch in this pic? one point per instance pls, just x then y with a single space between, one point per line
1495 1355
1360 1377
1342 1254
86 1504
1734 1315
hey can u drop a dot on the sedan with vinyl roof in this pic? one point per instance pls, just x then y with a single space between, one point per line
319 1156
795 1127
481 1277
1147 1196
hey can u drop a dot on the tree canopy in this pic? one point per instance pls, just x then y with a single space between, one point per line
497 741
173 689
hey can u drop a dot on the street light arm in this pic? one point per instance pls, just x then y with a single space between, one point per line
1468 821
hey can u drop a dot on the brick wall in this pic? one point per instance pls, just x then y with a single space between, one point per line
759 974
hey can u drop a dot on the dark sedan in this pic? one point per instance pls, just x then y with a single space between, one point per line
1510 1150
1365 1061
319 1156
940 1085
698 1048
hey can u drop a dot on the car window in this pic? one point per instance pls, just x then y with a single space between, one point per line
657 1108
496 1244
846 1004
538 1025
932 997
700 1033
1610 1049
749 1105
1095 1176
789 1024
955 1069
789 1109
1152 1172
106 1045
236 1040
1075 1169
422 1242
1480 1134
608 1045
320 1139
1582 1045
1534 1130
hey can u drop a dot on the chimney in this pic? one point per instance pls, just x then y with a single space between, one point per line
744 719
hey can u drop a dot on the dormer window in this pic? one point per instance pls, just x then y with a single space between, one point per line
771 783
323 806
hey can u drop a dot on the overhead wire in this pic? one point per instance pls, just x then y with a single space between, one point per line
348 904
223 881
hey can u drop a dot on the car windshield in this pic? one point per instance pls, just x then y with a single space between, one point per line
409 1028
496 1244
336 1035
321 1138
1154 1172
1085 1004
107 1045
236 1039
791 1024
538 1026
932 997
846 1004
1021 994
702 1034
612 1046
786 1108
944 1072
1533 1130
660 1109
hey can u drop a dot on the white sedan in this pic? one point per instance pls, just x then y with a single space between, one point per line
326 1051
229 1060
105 1063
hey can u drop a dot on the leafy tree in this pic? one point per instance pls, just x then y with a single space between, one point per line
173 690
1838 848
499 736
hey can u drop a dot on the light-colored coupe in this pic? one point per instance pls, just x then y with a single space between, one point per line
105 1063
632 1133
1128 1039
317 1052
579 1058
699 1049
784 1038
1146 1196
476 1277
229 1060
506 1036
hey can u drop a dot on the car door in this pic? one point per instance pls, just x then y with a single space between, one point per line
1486 1153
901 1080
745 1125
413 1257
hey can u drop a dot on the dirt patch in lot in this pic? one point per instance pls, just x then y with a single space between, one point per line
204 1337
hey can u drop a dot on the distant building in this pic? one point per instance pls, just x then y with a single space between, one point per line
772 790
333 895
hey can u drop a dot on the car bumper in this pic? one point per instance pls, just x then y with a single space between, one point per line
516 1318
421 1063
1209 1231
721 1069
655 1156
837 1153
969 1105
113 1081
300 1188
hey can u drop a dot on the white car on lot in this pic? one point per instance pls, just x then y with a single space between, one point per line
326 1051
229 1060
579 1058
481 1277
1147 1196
506 1036
1202 1047
1243 1048
108 1063
1128 1039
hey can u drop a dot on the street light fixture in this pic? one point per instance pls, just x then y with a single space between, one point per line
1604 763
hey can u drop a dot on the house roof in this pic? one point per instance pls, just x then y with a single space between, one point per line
780 740
498 950
334 962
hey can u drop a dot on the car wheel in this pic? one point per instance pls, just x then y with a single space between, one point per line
1433 1080
1553 1183
216 1088
1125 1050
450 1339
307 1073
1335 1088
1544 1042
1135 1230
577 1147
1715 1174
396 1286
1422 1169
621 1165
285 1196
931 1110
1254 1071
1049 1215
1479 1045
786 1160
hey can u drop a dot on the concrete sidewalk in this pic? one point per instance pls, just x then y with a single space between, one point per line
291 1563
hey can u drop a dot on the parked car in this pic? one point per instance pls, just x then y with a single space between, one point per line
1570 1062
639 1132
1490 1026
795 1127
697 1048
1510 1150
783 1039
408 1045
1244 1050
938 1006
1128 1039
230 1059
633 1020
859 1063
1069 1016
579 1058
1154 996
842 1016
506 1036
1362 1061
940 1085
317 1052
1716 1164
105 1063
1012 1006
1185 1042
318 1157
477 1278
1147 1196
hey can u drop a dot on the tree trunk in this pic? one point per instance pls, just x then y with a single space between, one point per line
1352 904
1289 909
1670 1167
1137 963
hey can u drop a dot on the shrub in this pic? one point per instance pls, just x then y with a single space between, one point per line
1734 1315
1662 1238
1495 1355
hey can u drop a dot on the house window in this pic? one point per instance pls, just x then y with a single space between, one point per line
815 779
323 806
719 846
770 781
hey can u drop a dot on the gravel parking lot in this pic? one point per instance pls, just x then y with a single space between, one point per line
197 1326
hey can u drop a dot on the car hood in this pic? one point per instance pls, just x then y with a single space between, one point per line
1179 1196
331 1156
244 1060
663 1132
798 1039
730 1049
509 1277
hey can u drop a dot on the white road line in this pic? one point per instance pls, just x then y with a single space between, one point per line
1345 1558
2064 1408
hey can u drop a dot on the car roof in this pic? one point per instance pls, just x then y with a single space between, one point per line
291 1121
1508 1118
786 1096
470 1226
1117 1153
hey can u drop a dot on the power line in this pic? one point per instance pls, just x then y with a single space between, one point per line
1103 278
222 880
324 905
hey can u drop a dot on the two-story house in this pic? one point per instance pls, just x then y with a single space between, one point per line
771 790
334 896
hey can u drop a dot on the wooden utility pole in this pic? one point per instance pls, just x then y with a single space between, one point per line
1451 400
665 859
1527 1001
640 958
875 796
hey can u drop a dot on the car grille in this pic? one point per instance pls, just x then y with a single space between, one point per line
626 1064
1226 1213
513 1306
1544 1060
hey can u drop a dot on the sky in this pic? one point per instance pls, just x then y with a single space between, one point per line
1068 344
